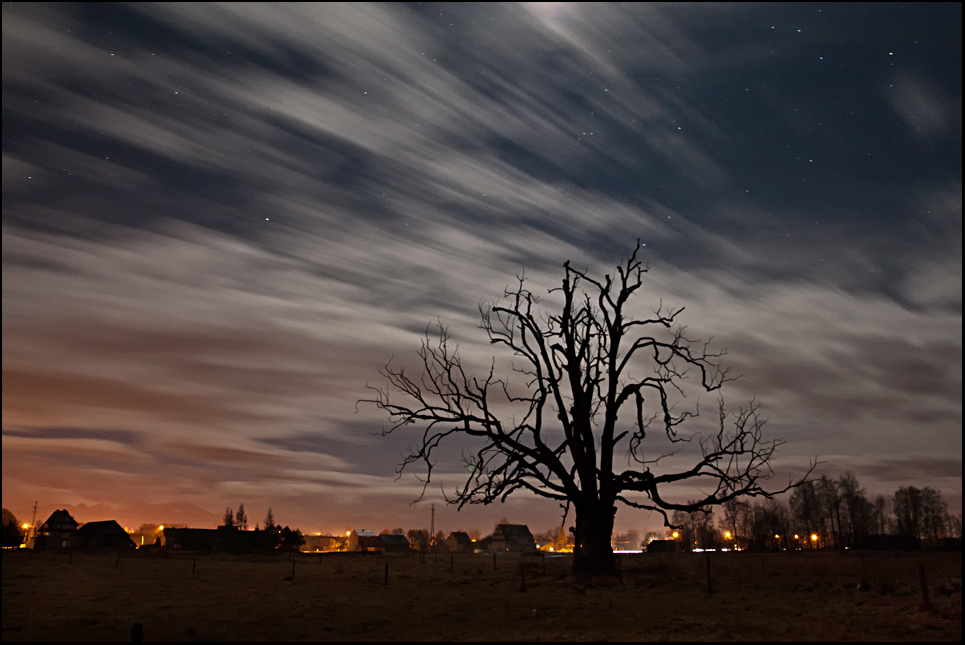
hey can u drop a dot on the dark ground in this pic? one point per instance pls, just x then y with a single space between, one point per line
758 597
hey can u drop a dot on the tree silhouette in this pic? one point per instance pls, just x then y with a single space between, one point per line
271 535
583 367
241 518
12 533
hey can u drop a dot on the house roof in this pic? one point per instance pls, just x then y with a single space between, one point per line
365 533
513 532
59 520
107 527
461 537
391 540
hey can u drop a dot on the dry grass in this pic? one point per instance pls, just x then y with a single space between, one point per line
796 596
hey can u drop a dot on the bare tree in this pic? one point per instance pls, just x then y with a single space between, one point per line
829 493
881 515
734 509
583 367
241 518
856 507
806 509
908 515
934 515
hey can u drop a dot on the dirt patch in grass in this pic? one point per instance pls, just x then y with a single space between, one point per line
785 596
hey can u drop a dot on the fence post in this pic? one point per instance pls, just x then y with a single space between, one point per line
923 581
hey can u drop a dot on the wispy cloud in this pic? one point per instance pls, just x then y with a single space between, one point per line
220 221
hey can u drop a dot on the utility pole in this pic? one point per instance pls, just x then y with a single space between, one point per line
432 524
33 527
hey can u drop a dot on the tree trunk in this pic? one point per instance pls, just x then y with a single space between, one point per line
592 552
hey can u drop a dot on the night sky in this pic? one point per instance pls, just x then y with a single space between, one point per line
220 222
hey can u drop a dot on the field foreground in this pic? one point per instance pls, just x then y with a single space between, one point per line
335 597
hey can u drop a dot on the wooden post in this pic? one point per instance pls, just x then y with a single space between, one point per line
117 559
385 582
70 558
137 633
494 562
293 569
923 581
194 566
710 584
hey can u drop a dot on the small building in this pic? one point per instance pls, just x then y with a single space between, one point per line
182 539
319 544
513 538
545 545
459 542
102 536
234 540
364 540
662 546
56 532
395 543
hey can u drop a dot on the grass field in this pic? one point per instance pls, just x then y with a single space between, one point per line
781 596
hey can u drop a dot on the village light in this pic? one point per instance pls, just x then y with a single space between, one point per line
727 535
25 526
814 537
676 534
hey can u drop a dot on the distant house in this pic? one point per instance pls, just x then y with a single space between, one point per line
662 546
877 542
395 543
192 539
102 536
363 540
319 544
229 539
233 540
56 532
514 538
459 542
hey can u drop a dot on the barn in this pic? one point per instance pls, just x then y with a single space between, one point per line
102 536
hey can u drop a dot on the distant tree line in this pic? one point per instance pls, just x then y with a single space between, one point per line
13 534
273 537
826 513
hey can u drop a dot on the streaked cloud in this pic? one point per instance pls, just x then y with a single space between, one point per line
220 221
